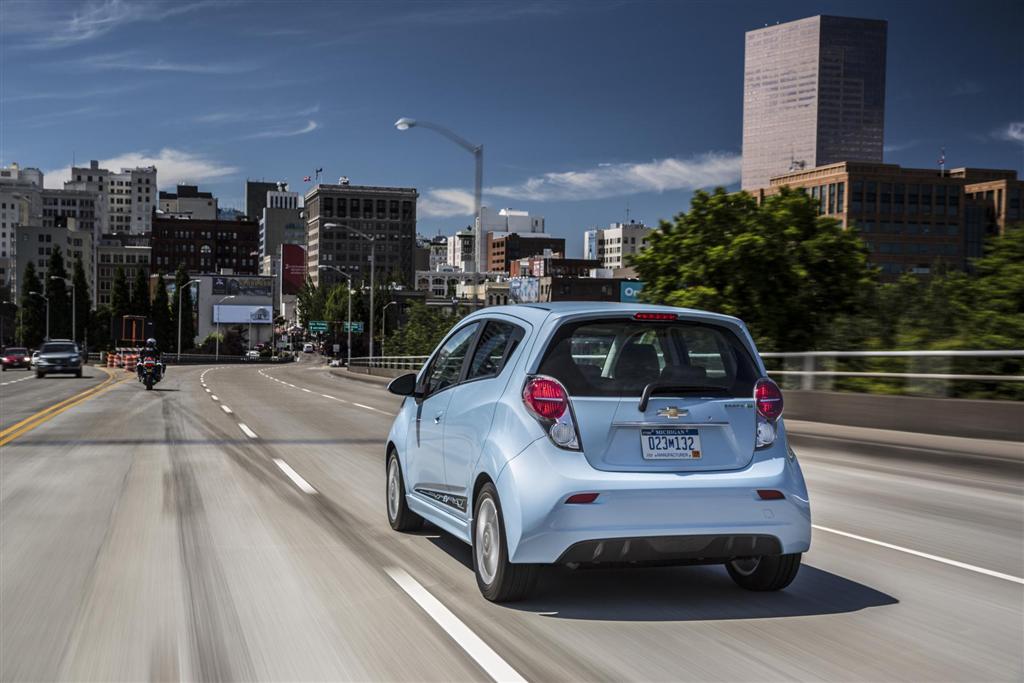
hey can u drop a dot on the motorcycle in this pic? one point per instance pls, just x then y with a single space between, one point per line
150 373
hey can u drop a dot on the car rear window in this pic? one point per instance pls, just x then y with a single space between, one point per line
57 348
16 351
621 357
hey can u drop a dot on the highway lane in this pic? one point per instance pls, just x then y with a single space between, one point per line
149 536
22 394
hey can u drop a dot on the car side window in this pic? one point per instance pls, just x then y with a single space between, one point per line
495 345
447 365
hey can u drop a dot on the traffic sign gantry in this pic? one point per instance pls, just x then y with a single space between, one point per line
317 325
357 326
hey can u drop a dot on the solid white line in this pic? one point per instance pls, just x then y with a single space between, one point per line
489 660
307 390
248 432
927 556
326 396
225 408
294 476
214 397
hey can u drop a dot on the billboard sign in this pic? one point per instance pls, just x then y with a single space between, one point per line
243 286
293 268
244 315
629 292
524 290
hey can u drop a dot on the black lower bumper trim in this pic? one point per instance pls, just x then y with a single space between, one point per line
667 549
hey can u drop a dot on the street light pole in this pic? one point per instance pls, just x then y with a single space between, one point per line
47 300
180 292
348 350
217 336
477 151
373 246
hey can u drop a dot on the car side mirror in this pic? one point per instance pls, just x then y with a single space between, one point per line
403 385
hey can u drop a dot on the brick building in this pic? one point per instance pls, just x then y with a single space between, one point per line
206 246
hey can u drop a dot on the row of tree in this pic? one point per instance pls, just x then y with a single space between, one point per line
100 327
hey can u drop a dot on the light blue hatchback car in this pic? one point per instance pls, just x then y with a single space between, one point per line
578 433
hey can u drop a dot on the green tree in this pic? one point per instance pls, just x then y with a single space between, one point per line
784 270
100 333
82 302
423 329
139 302
56 287
32 327
160 314
183 289
312 302
120 299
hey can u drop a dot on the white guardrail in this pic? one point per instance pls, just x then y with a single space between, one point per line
812 365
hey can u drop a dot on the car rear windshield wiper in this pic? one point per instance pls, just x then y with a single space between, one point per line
667 387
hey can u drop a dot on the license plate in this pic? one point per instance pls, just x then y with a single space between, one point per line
670 444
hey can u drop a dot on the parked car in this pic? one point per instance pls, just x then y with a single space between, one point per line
16 357
308 348
576 433
59 356
251 355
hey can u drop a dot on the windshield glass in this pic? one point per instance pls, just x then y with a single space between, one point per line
621 357
17 351
58 348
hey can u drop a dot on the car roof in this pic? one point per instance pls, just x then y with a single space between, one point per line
536 313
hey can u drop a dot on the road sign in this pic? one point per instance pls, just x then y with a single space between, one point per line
317 325
357 327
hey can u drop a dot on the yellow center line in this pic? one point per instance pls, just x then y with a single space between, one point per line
33 421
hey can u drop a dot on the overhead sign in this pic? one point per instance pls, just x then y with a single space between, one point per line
357 326
629 292
317 325
243 286
246 315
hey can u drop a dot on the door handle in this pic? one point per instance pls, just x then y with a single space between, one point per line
437 418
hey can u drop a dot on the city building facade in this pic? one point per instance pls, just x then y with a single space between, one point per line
36 243
281 221
188 202
504 248
129 252
205 246
813 95
912 218
613 245
126 199
256 196
386 214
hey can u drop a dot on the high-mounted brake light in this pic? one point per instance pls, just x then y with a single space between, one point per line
662 317
768 398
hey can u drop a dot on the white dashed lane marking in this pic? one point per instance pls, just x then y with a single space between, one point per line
294 476
214 397
226 409
248 432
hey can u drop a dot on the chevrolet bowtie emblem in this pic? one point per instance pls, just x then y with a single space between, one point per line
673 412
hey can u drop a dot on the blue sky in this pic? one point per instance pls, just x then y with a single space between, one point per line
583 108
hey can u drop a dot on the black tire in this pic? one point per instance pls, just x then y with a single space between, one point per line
78 374
40 375
509 582
765 573
400 517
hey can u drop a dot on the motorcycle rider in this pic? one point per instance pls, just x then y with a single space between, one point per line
151 351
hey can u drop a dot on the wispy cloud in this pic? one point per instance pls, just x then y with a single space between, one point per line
310 126
52 25
967 87
244 115
1013 131
66 95
899 146
173 166
137 61
602 181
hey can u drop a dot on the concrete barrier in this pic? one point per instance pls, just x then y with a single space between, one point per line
1002 420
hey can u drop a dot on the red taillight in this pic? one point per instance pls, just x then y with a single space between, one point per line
581 499
546 398
768 398
148 363
663 317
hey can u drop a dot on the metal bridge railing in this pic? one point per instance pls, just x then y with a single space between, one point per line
389 362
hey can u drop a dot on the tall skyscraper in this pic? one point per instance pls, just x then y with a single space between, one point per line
813 94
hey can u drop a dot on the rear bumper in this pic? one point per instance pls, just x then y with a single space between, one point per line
53 370
665 517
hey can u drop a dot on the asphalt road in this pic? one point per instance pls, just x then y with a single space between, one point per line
154 535
23 394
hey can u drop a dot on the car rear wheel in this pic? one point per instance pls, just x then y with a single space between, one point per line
400 517
499 580
764 573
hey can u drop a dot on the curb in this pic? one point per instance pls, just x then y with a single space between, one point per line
359 377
